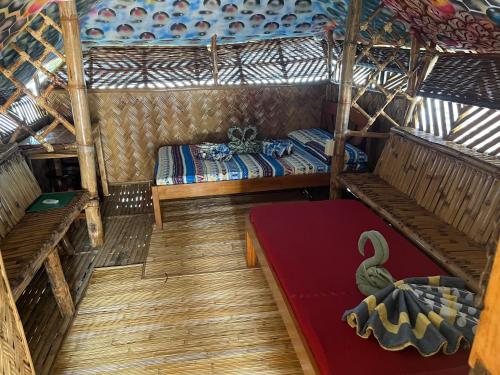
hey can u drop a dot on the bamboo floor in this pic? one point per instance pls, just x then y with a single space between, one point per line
192 307
128 224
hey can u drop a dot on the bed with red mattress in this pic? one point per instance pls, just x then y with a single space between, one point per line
308 252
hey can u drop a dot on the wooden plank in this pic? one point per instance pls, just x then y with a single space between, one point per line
168 192
306 357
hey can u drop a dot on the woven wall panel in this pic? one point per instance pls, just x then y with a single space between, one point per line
134 124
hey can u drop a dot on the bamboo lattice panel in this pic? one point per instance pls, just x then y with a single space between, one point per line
272 61
127 200
133 124
27 58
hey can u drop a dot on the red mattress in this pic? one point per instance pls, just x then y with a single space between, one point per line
312 247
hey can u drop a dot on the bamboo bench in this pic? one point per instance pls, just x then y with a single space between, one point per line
30 240
442 196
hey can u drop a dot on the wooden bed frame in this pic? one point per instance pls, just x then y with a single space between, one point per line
204 189
254 252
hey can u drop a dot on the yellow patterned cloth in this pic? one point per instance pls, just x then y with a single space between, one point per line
432 314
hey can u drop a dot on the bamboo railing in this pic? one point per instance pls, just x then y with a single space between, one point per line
18 188
413 72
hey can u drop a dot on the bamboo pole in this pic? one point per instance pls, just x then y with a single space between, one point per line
213 51
60 287
412 83
329 63
81 115
345 96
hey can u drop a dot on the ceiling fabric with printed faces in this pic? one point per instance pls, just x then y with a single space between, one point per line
194 22
452 24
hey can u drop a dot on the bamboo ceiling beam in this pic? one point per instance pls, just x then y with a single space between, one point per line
81 115
345 96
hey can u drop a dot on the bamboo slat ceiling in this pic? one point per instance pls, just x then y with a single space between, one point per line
478 83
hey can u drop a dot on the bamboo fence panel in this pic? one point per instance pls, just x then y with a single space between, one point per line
18 188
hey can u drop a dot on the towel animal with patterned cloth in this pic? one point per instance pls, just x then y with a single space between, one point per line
432 314
243 140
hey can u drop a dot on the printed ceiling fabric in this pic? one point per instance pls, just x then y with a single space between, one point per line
459 24
453 24
176 22
456 24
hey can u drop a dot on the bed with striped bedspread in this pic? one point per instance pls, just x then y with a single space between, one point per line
179 165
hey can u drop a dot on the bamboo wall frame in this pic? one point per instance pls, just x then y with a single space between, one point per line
22 90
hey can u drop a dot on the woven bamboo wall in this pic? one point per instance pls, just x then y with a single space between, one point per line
133 124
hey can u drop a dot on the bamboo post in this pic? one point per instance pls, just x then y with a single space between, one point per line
213 51
59 285
329 63
81 115
345 96
412 83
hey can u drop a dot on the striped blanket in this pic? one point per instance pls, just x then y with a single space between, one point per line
178 165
